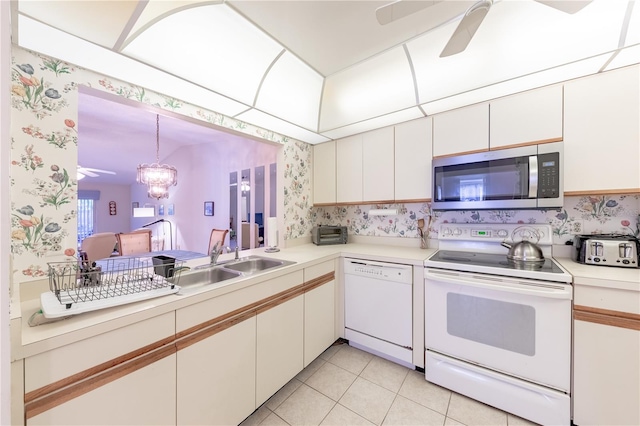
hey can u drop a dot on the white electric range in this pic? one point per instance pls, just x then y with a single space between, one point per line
495 330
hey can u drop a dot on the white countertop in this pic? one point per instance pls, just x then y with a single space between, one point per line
608 276
32 340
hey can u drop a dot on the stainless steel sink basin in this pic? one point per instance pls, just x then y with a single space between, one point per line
252 264
206 276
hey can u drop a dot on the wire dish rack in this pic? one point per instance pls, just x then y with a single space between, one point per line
78 287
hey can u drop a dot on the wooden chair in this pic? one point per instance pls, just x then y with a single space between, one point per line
217 236
134 242
99 246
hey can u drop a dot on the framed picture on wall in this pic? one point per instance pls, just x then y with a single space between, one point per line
170 210
208 208
161 210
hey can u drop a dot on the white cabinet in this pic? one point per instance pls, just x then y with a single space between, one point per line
107 378
319 311
378 166
217 375
279 345
349 169
324 173
463 130
413 152
602 133
606 355
530 117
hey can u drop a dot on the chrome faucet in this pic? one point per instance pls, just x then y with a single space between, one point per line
215 252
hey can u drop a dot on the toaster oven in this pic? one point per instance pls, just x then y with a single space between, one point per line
327 234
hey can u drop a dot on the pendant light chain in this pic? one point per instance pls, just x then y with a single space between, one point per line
158 138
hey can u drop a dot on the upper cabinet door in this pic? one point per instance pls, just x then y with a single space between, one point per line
349 169
461 131
602 133
324 173
378 165
530 117
413 148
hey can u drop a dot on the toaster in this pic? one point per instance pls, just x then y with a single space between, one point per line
327 234
606 250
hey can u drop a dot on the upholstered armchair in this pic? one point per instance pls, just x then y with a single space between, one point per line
99 246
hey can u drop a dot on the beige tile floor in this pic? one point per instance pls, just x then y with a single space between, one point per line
347 386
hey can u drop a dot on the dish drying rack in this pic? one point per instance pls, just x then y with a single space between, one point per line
77 287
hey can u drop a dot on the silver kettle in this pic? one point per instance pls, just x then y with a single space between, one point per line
525 250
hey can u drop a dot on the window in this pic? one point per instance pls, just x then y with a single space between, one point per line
86 213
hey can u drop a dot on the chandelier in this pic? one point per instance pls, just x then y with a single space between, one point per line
157 177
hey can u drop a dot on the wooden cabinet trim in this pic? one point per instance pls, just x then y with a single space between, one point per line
73 390
602 192
518 145
607 317
455 154
83 375
61 391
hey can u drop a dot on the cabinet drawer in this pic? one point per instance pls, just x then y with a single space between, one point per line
60 363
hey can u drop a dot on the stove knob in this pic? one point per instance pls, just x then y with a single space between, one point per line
502 233
446 232
457 232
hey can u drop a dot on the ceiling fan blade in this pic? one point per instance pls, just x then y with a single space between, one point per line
467 28
86 172
567 6
399 9
108 172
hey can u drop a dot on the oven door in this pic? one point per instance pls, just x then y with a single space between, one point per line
516 326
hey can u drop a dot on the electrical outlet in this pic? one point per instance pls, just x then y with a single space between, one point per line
576 227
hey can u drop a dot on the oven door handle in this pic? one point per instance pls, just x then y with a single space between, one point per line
497 284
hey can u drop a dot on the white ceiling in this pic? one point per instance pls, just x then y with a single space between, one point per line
317 70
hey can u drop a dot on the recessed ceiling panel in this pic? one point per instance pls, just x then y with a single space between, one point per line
291 90
373 88
211 46
100 22
38 37
266 121
375 123
517 38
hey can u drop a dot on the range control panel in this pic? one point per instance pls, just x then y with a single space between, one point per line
540 233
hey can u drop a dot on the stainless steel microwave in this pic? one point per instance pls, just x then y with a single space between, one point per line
527 177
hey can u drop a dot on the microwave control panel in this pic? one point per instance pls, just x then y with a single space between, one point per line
548 175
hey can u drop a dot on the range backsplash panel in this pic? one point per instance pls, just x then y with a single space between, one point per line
580 215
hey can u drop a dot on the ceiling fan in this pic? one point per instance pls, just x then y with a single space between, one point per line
88 171
470 21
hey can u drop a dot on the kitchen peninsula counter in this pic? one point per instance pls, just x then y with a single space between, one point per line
28 341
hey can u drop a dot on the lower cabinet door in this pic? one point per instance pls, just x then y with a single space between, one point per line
319 320
216 377
606 375
144 397
279 346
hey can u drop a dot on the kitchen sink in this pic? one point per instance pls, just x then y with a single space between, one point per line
252 264
205 276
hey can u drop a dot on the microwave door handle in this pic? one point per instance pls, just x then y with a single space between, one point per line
533 176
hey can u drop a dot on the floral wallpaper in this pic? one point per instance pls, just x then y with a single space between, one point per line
44 152
580 215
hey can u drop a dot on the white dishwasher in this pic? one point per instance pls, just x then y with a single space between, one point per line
378 308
